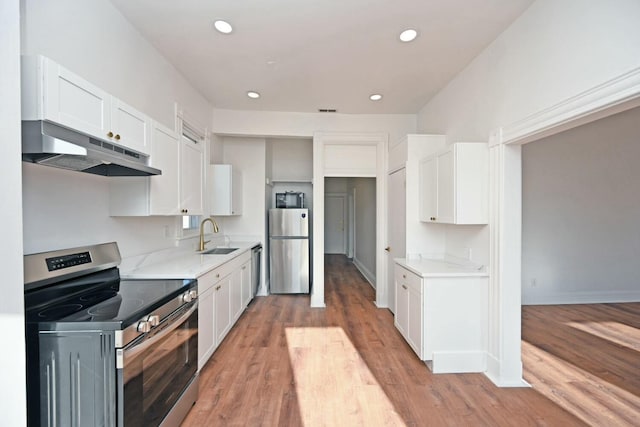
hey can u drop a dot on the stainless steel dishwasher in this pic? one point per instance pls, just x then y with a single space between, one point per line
255 268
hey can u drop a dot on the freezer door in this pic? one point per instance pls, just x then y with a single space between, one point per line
289 266
288 222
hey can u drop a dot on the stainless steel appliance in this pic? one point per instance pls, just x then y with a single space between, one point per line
104 351
52 145
289 251
290 200
256 273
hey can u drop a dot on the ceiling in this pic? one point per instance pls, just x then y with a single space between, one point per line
305 55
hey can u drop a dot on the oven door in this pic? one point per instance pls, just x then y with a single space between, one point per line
157 368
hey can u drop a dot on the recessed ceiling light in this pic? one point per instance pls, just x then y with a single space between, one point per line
223 26
253 95
408 35
375 97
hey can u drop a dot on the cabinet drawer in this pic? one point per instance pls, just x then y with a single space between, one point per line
212 277
409 279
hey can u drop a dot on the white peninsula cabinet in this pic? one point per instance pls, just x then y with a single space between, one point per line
454 185
53 93
441 311
177 191
222 300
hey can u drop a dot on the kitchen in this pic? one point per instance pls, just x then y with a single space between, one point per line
153 85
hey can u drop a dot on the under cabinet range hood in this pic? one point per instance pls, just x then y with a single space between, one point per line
48 144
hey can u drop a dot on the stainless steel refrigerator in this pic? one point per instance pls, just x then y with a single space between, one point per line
289 251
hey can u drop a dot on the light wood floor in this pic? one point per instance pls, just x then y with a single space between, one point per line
286 364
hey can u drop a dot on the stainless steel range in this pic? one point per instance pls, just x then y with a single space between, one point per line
103 351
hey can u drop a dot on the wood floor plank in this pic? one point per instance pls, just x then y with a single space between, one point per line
287 364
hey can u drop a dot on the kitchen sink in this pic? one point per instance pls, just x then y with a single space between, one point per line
219 251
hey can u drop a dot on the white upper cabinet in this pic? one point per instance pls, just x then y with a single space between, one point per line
226 190
454 185
51 92
178 191
131 128
191 177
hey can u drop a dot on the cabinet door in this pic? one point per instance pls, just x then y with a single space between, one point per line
429 189
191 174
414 321
226 190
246 283
402 306
75 103
236 295
130 127
165 188
206 326
221 311
446 188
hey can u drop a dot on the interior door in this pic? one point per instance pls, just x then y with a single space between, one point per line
334 224
397 217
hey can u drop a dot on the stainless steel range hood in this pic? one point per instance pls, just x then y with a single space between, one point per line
52 145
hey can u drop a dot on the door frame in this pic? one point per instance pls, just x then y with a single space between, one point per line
321 140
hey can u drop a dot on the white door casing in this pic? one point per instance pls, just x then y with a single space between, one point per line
367 157
504 364
396 228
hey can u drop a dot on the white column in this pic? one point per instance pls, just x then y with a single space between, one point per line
13 399
317 287
504 364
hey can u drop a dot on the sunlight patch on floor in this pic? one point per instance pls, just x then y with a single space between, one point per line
333 383
581 393
616 332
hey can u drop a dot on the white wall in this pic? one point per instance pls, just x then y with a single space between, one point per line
92 39
365 226
292 159
580 214
248 155
13 404
553 51
289 124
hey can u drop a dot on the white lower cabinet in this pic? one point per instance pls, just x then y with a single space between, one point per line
443 318
221 303
246 283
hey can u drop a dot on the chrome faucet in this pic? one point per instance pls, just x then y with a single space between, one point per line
215 230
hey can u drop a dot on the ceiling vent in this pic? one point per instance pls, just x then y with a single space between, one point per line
327 110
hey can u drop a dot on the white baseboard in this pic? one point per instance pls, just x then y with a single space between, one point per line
371 278
458 362
595 297
493 373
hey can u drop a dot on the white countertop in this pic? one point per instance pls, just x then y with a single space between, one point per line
178 263
426 267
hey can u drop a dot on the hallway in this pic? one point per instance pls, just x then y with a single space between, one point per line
286 364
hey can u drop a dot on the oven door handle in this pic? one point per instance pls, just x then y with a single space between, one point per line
123 353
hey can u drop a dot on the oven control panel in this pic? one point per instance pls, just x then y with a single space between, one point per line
66 261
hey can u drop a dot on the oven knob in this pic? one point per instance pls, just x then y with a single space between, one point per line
144 326
193 293
186 297
154 320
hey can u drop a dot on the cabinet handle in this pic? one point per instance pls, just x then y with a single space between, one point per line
404 276
433 218
218 287
388 248
244 267
404 287
117 137
110 134
184 211
217 276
